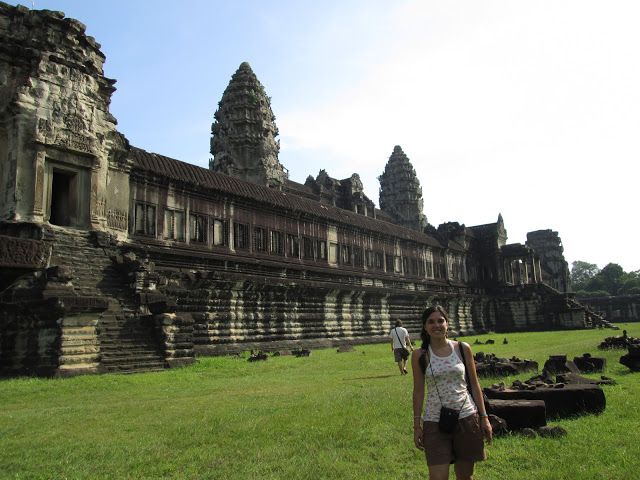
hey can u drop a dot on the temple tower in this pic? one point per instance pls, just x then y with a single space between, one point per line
61 157
243 134
555 269
400 191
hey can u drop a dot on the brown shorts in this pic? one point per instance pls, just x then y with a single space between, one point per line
465 443
397 354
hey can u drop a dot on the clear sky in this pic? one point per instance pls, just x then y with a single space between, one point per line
526 108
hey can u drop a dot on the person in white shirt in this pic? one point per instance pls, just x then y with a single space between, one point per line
400 346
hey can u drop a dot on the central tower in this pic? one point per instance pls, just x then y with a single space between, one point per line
400 191
243 133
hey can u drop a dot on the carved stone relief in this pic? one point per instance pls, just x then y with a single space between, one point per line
20 252
101 207
117 219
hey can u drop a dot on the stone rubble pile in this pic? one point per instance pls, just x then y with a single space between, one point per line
488 364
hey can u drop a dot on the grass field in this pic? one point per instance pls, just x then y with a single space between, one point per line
328 416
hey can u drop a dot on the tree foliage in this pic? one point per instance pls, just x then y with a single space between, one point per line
588 280
582 273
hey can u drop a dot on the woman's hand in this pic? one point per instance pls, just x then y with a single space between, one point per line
487 431
417 436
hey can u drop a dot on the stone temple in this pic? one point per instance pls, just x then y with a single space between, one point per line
113 258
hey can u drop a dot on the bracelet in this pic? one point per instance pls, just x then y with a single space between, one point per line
483 415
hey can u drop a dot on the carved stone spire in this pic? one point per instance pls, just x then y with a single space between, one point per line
243 140
400 191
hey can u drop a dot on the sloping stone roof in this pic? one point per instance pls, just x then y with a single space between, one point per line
300 189
516 249
483 229
184 172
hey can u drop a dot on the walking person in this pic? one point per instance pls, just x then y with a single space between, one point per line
439 364
400 346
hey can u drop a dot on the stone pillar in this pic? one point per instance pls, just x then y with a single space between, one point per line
534 271
39 189
98 201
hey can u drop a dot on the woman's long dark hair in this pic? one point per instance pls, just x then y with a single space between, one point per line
426 338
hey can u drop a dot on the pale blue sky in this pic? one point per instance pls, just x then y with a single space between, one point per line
526 108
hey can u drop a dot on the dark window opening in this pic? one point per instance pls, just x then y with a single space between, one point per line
389 262
240 236
345 254
259 239
293 246
307 248
358 257
145 221
277 242
220 233
197 228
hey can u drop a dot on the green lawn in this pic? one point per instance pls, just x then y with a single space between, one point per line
328 416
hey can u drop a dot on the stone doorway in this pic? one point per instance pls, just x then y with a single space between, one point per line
63 186
67 195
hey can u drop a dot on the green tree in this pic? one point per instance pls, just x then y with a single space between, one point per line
612 276
630 283
582 273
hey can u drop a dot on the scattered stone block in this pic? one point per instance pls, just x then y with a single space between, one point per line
498 425
620 341
588 364
560 402
345 348
556 364
632 359
301 352
257 357
573 378
519 414
487 364
281 353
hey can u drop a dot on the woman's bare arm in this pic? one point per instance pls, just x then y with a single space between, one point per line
418 397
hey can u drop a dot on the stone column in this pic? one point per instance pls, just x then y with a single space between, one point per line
536 268
525 270
512 271
39 188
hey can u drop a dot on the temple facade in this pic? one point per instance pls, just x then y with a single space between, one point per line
113 258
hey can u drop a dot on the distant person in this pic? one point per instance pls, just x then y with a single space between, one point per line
400 346
439 365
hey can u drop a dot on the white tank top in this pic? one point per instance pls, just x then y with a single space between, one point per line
452 387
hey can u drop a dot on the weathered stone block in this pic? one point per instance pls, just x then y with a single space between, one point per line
519 413
560 402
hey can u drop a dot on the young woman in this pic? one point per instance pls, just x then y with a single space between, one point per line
439 364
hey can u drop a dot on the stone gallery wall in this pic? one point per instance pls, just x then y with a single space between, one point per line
621 308
115 259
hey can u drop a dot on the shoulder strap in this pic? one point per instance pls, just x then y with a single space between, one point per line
396 330
464 362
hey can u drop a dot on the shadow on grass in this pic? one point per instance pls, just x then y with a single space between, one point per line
371 378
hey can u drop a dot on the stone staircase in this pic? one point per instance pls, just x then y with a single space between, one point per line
127 340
